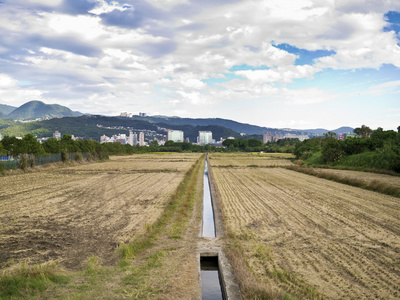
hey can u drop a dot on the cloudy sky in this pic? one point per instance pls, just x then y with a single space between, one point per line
276 63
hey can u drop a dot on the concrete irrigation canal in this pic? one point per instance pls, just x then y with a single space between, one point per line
216 275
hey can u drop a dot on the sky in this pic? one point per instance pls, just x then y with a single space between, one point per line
298 64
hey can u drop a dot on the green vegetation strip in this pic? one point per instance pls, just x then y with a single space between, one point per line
176 215
29 280
375 185
291 287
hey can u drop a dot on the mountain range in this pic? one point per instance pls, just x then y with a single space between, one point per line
175 122
34 110
61 118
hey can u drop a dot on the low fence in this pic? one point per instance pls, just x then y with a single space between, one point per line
31 160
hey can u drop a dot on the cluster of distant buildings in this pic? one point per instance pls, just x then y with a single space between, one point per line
274 137
132 139
204 137
177 136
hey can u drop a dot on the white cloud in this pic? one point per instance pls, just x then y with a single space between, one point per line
7 81
52 3
79 57
284 74
12 94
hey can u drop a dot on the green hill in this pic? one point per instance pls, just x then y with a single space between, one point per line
5 110
33 110
83 126
233 125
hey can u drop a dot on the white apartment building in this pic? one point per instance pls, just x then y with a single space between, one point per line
175 135
204 138
141 139
57 135
296 136
267 137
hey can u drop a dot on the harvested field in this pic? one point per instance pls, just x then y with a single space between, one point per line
251 159
366 177
70 214
310 237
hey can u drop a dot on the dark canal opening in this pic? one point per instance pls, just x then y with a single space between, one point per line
210 278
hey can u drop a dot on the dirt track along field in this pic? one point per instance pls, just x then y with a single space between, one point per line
70 214
311 237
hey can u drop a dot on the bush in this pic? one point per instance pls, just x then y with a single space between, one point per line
64 156
23 164
315 159
332 151
78 156
32 161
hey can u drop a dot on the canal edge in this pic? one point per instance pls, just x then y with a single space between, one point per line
213 247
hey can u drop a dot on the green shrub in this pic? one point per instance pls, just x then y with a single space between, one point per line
23 164
78 156
315 159
64 156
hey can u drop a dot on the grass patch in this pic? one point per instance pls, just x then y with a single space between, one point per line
140 276
242 252
27 281
176 214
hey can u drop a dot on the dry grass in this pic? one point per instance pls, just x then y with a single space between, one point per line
78 216
251 159
308 237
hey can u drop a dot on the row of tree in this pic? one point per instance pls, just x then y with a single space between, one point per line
373 148
29 145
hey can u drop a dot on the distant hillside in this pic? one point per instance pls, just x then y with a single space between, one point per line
192 132
83 126
235 126
33 110
5 110
321 131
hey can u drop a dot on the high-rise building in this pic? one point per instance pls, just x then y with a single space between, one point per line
132 138
141 139
205 137
57 135
267 137
175 135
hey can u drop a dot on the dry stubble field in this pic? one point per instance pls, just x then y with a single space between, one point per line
310 237
82 213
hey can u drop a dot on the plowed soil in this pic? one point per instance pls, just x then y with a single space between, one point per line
366 177
251 159
311 237
69 214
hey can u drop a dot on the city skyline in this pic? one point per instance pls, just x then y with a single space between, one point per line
282 64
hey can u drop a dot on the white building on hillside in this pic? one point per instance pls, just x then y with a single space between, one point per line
204 138
141 139
175 135
267 137
57 135
296 136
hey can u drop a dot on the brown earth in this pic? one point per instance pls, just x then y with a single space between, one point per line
70 214
251 159
366 177
311 237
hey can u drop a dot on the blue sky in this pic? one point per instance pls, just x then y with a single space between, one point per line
278 63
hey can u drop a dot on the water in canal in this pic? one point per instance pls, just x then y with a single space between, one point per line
208 214
210 280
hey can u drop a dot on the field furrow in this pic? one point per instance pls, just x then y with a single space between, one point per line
311 236
70 214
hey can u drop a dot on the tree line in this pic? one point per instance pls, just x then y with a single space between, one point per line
378 149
